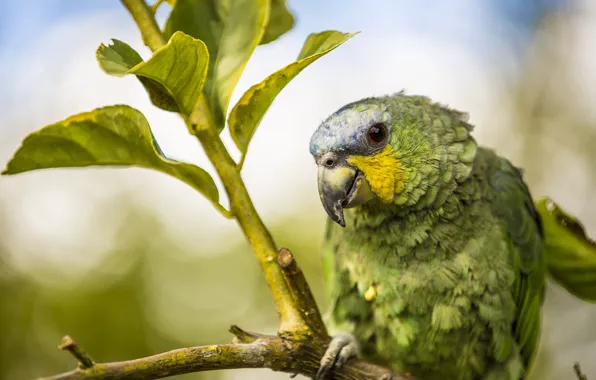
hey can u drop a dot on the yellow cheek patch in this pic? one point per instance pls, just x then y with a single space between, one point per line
382 171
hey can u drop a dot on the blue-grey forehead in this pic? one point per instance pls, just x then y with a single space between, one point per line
342 131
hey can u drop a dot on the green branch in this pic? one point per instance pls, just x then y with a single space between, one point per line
145 20
292 353
270 352
81 355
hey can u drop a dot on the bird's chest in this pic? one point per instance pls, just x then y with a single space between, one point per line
418 297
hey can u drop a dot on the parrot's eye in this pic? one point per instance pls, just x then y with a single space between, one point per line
377 133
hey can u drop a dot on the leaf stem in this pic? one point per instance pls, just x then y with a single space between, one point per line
578 372
241 162
155 6
145 20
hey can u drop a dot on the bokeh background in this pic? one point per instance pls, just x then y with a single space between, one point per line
131 262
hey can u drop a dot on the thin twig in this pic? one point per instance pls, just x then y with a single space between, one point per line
578 372
300 291
81 355
145 20
155 6
241 336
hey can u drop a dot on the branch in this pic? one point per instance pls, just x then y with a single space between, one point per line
260 354
81 355
259 238
265 351
293 352
300 292
578 372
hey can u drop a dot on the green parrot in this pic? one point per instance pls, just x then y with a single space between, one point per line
434 251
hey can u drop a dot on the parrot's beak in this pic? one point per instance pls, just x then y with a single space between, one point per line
342 186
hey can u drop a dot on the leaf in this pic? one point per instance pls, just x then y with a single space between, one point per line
110 136
250 109
570 253
174 75
323 42
281 21
231 29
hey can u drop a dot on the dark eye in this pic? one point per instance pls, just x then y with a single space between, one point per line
377 133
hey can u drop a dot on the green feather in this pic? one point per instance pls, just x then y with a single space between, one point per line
513 204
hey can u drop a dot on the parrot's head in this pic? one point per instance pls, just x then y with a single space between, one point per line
397 149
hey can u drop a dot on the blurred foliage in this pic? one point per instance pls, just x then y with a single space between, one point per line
166 296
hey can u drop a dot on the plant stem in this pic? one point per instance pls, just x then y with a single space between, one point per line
143 16
155 6
82 357
241 206
255 231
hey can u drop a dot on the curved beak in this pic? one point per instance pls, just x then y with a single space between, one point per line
340 187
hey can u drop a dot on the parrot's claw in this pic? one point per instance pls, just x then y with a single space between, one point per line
342 347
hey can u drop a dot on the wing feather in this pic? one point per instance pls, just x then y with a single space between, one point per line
514 206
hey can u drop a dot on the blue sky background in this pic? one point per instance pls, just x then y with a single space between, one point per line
20 21
475 25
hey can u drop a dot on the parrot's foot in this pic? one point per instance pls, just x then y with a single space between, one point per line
342 347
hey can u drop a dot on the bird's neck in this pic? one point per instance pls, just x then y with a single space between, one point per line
409 227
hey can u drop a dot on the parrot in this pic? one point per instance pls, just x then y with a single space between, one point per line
434 252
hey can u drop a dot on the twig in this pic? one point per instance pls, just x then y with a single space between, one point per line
241 336
300 292
144 18
155 6
261 241
578 372
185 360
81 355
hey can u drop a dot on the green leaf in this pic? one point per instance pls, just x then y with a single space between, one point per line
174 75
323 42
111 136
231 29
250 109
570 253
281 21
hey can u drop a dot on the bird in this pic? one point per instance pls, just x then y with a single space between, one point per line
434 257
